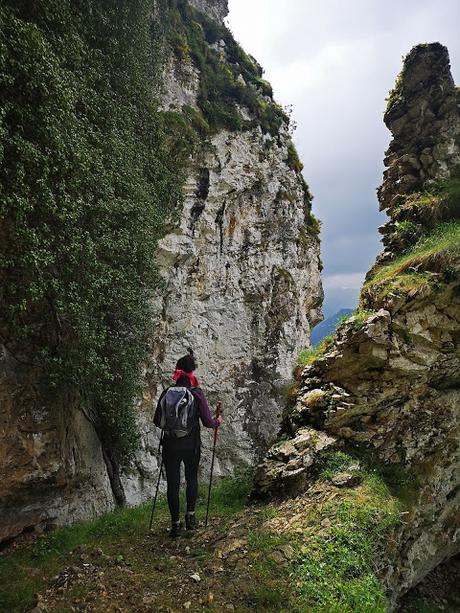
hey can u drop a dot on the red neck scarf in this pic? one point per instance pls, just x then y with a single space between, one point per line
190 376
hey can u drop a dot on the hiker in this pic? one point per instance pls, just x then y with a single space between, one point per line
179 411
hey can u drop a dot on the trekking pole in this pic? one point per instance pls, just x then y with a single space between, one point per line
218 412
158 481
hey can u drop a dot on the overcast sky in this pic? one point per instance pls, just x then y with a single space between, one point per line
335 61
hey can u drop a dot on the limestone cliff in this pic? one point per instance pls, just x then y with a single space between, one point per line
241 270
388 384
240 284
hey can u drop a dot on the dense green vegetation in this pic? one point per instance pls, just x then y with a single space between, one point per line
228 76
436 253
86 184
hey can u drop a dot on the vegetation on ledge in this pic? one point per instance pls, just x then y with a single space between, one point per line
419 213
437 252
229 77
308 356
230 81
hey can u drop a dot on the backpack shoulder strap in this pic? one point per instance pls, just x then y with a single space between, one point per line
157 416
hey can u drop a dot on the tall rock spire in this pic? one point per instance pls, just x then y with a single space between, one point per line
387 386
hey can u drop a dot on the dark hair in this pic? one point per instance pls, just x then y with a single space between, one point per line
187 362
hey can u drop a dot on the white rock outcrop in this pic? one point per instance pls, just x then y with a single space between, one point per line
242 286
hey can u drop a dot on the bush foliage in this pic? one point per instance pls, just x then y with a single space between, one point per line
86 182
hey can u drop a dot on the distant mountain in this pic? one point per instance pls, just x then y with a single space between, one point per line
328 326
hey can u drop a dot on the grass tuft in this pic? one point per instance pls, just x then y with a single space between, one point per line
435 252
308 356
335 569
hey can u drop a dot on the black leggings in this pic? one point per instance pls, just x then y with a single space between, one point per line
176 451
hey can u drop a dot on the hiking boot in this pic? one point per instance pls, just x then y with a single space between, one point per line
176 530
190 521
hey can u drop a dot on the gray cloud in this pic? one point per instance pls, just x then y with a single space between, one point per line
335 61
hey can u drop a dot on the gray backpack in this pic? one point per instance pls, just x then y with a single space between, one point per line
177 412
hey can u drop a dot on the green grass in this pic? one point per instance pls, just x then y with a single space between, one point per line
360 316
437 203
407 284
308 356
335 569
25 571
336 553
332 567
268 598
270 591
335 463
22 572
230 494
429 223
434 252
383 479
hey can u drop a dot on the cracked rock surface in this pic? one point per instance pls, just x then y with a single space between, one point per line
389 383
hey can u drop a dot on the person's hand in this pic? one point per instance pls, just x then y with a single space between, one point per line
219 419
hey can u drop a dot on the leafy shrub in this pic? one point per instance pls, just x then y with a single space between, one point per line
86 182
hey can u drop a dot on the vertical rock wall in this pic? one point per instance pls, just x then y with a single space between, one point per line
242 284
389 384
51 463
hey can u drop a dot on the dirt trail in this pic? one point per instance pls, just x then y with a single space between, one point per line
214 570
240 563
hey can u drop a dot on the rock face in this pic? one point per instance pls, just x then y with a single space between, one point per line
423 117
216 9
390 380
241 286
52 467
